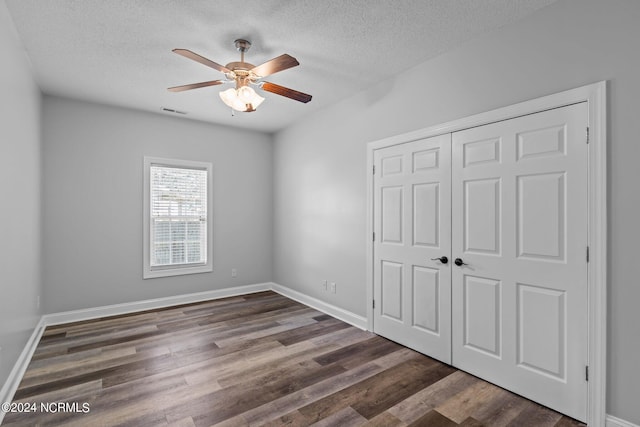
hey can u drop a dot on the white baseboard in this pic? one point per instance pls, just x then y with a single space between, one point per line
150 304
13 381
612 421
330 309
15 376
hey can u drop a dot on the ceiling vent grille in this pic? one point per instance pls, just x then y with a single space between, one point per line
171 110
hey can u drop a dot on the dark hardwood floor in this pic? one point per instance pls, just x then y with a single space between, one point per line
259 359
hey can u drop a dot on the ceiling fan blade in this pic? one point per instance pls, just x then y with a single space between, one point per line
201 59
195 85
274 65
285 91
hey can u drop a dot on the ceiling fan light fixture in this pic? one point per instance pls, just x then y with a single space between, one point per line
246 94
256 99
244 99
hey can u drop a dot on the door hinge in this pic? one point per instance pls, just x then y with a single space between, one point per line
374 304
587 134
586 373
374 236
374 169
587 253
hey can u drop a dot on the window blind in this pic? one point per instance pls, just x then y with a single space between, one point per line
178 211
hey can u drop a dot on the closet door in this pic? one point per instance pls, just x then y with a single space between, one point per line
412 225
519 221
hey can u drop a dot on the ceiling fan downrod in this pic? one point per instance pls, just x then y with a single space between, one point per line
243 46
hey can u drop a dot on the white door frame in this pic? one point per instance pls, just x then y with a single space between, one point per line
595 96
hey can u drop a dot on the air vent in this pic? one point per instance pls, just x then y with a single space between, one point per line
171 110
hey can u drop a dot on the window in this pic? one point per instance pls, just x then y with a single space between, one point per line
177 217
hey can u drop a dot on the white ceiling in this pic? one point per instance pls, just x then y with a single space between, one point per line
118 52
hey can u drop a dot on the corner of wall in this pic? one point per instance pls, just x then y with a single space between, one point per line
20 151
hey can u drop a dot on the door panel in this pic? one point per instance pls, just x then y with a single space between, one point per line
482 216
519 222
392 290
481 152
412 214
541 340
426 290
482 315
540 216
391 165
392 214
426 215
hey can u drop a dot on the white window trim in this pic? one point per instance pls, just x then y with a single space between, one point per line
147 271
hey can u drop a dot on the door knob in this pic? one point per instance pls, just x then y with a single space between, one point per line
459 262
443 259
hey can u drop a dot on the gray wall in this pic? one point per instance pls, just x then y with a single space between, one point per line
319 163
92 175
92 203
20 192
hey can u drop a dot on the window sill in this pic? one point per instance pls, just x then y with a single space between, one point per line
181 271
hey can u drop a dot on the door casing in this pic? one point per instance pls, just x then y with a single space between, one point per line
595 96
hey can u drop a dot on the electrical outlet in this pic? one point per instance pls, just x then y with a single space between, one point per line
324 285
333 287
234 272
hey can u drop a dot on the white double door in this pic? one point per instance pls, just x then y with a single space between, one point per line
508 200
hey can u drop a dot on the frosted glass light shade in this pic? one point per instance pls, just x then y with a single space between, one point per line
242 99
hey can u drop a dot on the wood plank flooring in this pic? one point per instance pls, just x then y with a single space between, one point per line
253 360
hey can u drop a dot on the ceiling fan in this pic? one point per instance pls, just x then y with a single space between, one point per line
243 97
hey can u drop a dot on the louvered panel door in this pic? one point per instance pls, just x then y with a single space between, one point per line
519 222
412 214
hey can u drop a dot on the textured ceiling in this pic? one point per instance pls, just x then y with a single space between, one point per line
118 52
